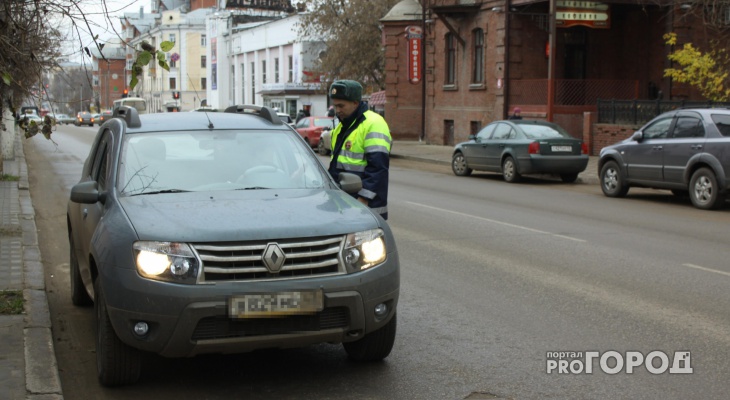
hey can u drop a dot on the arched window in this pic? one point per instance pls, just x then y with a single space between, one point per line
478 61
450 46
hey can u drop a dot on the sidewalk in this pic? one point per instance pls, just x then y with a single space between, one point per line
28 368
420 151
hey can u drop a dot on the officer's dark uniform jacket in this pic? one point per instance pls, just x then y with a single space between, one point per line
363 148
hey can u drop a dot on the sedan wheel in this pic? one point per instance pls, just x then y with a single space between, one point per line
612 183
509 170
458 165
704 190
116 363
569 178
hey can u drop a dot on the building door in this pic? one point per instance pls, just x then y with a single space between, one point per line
449 132
575 52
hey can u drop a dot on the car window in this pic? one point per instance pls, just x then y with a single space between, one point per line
688 127
323 122
303 123
99 167
219 160
658 129
722 121
542 132
502 131
486 132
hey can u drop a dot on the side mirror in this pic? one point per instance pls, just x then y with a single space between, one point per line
638 136
472 137
350 183
86 193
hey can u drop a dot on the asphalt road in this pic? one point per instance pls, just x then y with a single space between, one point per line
494 277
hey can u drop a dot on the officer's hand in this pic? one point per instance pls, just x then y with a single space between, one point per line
363 200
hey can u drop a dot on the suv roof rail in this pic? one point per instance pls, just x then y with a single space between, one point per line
129 114
262 111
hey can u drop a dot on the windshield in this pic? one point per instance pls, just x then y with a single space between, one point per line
541 132
217 160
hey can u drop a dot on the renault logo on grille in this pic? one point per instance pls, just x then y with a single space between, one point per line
274 258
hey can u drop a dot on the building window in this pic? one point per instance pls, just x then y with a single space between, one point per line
203 83
450 45
172 63
203 61
263 71
276 70
291 69
478 67
203 40
253 82
173 84
172 37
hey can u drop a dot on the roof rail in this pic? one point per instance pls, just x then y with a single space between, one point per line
262 111
129 114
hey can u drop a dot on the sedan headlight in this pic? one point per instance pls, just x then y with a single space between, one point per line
166 261
364 250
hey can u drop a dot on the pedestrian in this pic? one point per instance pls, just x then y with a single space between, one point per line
516 113
360 145
300 115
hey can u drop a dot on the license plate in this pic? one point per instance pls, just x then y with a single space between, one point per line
562 148
276 304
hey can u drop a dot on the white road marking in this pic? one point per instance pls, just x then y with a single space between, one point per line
497 222
706 269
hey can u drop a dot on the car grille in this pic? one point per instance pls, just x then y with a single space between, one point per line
223 327
311 257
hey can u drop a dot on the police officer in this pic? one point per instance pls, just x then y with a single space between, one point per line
360 145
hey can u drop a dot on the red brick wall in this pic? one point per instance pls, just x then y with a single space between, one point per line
402 99
608 134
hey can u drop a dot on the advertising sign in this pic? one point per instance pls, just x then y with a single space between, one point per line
414 36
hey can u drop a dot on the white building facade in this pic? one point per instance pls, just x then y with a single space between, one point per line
264 63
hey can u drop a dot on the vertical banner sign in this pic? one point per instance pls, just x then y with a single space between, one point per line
214 63
414 36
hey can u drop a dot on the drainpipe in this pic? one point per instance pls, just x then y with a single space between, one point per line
551 65
423 71
507 16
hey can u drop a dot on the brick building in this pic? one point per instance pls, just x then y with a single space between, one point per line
480 59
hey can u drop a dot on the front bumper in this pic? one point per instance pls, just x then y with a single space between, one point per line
186 320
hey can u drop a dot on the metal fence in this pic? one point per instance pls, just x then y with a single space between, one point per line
639 112
571 92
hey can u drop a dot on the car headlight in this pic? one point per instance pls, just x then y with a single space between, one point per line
364 250
166 261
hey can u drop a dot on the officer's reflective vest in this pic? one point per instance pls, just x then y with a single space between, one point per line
365 153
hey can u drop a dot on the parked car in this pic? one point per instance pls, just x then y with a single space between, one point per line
520 147
310 128
84 118
198 233
63 119
685 151
286 118
104 116
95 118
324 147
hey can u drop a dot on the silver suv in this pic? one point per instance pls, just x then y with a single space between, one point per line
197 233
686 151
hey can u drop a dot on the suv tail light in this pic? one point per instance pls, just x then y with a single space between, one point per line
533 148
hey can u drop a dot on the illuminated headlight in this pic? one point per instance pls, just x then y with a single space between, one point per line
364 250
166 261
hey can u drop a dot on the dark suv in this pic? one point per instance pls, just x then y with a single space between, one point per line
686 151
196 233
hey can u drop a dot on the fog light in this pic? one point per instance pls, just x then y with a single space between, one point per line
381 310
141 328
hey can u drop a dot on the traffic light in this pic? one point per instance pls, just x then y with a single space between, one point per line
125 93
175 95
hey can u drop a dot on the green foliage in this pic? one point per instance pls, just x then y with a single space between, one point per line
145 56
11 302
707 71
9 178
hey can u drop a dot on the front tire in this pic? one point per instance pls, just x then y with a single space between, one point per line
509 170
612 182
116 363
79 296
375 346
459 166
704 190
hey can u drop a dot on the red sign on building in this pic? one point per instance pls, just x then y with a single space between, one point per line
414 34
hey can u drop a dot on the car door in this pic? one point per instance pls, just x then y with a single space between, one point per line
496 145
686 140
474 151
91 214
644 158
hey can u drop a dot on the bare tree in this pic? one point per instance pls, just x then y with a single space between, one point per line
351 31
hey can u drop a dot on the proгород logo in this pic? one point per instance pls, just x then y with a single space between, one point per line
613 362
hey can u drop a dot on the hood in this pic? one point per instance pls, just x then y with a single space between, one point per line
245 215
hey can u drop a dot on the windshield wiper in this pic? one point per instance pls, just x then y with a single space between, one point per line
253 188
161 191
